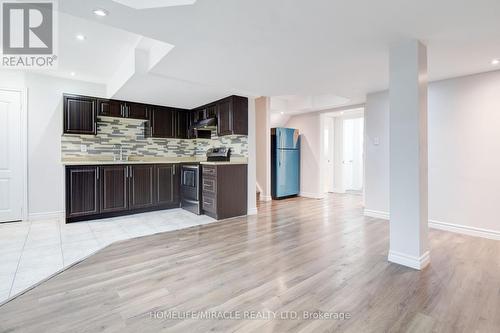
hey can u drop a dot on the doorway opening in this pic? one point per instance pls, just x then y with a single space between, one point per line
343 151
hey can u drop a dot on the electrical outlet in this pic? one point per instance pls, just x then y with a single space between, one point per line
83 148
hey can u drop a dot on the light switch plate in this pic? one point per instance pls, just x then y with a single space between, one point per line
83 148
376 141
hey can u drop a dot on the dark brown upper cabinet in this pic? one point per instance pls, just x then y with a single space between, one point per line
232 116
183 124
80 114
211 111
114 196
120 109
163 122
82 191
199 114
137 111
224 118
141 188
110 108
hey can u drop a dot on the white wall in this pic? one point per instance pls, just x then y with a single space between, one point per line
45 120
263 146
377 152
279 120
252 169
464 164
311 166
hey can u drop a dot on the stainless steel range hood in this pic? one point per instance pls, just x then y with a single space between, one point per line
209 124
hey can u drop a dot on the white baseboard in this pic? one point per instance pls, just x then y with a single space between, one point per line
465 230
312 195
456 228
376 214
252 211
409 261
265 197
46 216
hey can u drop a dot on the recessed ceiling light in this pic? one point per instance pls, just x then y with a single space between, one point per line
282 112
81 37
72 73
495 62
100 12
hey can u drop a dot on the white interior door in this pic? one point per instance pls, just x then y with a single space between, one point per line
353 154
328 155
348 155
11 159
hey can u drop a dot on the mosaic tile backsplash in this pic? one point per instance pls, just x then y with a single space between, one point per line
129 133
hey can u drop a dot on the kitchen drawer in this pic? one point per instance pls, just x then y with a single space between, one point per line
209 204
209 185
209 170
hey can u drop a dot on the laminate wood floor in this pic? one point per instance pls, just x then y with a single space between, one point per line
297 257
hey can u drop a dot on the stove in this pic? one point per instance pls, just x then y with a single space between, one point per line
219 154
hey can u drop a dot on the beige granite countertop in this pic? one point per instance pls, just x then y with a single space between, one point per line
145 160
223 162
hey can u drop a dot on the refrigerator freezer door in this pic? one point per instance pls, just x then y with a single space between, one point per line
287 173
287 138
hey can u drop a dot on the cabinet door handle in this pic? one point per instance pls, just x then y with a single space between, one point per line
131 172
121 110
97 174
174 169
126 172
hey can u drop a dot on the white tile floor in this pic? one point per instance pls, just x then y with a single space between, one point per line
32 251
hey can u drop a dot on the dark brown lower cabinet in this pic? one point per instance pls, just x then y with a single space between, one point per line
167 185
224 190
82 191
94 192
141 186
114 196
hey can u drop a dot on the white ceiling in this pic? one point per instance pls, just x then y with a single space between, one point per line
295 104
159 90
142 4
304 48
97 57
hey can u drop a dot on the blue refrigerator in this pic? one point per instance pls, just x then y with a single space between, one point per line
285 162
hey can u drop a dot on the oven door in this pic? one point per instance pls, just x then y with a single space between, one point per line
190 182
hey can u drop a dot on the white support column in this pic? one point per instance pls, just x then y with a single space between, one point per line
252 183
408 155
